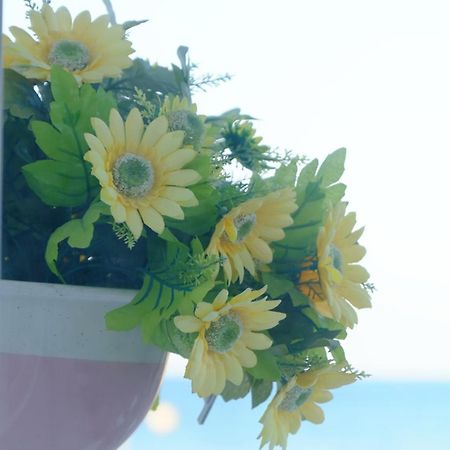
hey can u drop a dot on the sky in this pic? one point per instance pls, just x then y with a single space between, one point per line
369 76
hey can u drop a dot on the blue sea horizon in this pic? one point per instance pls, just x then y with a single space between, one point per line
369 415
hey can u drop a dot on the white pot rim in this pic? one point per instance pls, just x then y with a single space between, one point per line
65 321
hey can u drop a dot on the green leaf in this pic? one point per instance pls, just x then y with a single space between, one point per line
261 391
19 96
198 219
338 353
332 168
79 233
59 183
234 392
266 368
53 143
276 286
297 298
336 192
307 174
64 88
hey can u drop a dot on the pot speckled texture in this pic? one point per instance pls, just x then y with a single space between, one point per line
65 381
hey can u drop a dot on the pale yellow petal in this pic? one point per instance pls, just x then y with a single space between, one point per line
168 208
134 222
183 177
233 370
169 143
221 299
153 133
259 249
95 145
117 128
183 196
152 219
119 212
134 127
257 341
179 159
246 357
187 324
312 412
103 132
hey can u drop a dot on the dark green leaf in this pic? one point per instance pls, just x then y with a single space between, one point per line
20 97
58 183
261 391
233 392
53 143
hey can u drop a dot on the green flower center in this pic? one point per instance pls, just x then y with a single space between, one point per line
133 175
188 122
223 333
71 55
336 258
244 224
294 398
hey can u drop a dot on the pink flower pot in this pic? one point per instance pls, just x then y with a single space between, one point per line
66 383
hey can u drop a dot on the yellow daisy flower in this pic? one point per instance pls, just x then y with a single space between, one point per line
243 235
226 338
297 400
182 115
333 281
90 50
140 170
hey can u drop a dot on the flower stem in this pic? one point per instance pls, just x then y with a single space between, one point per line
111 14
209 403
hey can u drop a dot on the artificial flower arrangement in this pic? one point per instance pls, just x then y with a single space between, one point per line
114 179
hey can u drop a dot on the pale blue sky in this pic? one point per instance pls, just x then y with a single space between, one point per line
371 76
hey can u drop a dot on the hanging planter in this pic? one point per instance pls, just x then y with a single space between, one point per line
113 179
65 381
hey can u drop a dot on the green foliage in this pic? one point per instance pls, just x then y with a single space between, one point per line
78 232
233 392
64 179
261 390
266 368
163 292
316 190
19 96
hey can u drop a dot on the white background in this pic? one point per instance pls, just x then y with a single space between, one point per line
371 76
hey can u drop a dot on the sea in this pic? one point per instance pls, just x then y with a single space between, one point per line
368 415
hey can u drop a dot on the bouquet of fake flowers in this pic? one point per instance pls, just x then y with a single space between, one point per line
112 178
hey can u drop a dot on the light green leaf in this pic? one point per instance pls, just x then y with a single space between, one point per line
336 192
332 168
266 368
276 286
307 174
64 88
78 232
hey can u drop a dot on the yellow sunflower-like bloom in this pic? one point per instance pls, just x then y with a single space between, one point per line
243 235
182 115
297 400
226 338
333 281
140 170
90 50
